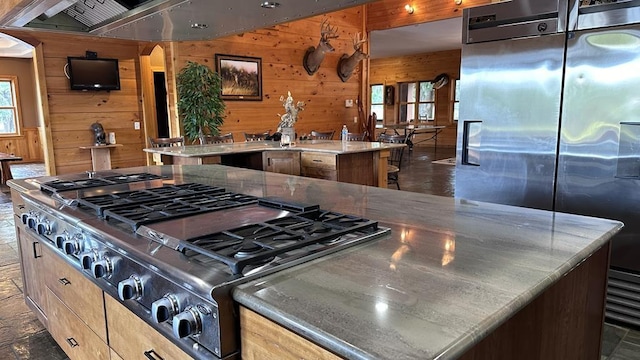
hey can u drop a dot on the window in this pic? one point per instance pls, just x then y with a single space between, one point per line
417 98
8 106
377 103
456 99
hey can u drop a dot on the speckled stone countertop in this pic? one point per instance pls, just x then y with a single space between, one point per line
325 146
450 272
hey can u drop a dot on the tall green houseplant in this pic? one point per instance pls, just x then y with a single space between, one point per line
200 105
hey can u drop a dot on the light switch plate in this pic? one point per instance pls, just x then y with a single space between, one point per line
348 103
136 125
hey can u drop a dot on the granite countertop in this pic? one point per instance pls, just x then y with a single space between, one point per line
325 146
448 272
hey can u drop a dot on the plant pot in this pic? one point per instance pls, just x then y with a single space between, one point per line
288 136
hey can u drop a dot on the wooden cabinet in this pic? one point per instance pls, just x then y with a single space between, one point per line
132 338
78 293
282 162
319 165
264 339
74 336
33 258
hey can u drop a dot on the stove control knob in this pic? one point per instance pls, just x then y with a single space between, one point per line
32 221
25 217
189 322
44 227
87 258
102 268
130 289
165 308
60 239
73 246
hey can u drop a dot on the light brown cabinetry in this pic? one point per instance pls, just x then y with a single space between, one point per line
132 338
72 334
282 162
33 258
264 339
79 294
319 165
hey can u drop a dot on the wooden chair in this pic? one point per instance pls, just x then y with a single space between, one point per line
256 137
219 139
318 135
355 137
395 157
166 142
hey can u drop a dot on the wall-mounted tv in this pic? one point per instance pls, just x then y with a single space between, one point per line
93 74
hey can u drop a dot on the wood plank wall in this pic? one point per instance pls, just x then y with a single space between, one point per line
73 112
391 13
27 146
391 71
282 49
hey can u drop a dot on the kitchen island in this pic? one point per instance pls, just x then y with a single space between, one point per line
451 279
356 162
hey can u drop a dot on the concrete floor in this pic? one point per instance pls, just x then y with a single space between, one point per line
23 337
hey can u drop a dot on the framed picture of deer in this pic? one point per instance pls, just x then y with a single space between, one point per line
241 77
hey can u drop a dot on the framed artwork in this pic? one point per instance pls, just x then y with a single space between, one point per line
241 77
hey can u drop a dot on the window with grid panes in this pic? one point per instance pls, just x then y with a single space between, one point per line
417 102
377 103
8 106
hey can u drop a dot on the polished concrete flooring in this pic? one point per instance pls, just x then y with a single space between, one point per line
23 337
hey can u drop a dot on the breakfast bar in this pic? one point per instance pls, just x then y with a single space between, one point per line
357 162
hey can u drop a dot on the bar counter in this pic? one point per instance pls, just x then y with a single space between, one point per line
356 162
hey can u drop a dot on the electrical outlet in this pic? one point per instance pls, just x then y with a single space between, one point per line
355 119
348 103
136 125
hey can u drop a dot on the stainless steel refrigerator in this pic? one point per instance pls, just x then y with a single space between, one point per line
550 119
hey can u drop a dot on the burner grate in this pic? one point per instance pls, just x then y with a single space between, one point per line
63 185
256 244
100 203
138 214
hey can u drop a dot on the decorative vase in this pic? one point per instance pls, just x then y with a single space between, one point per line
288 136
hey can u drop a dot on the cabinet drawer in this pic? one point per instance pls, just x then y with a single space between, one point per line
72 334
318 160
79 294
131 337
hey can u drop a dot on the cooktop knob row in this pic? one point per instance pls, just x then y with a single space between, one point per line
102 268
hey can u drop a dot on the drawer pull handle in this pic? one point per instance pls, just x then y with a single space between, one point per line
316 160
64 281
35 250
72 342
152 355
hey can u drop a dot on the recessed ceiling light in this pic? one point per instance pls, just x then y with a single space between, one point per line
269 4
199 26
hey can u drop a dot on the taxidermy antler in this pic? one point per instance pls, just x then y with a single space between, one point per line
347 64
314 56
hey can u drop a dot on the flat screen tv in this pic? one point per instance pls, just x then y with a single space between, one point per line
93 74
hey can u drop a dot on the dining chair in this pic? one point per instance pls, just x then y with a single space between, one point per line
166 142
219 139
319 135
395 157
256 137
355 136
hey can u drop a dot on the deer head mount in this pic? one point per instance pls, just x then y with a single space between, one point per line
347 64
314 55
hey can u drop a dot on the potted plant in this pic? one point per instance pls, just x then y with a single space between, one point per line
200 105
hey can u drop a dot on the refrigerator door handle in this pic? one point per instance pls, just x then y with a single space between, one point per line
471 142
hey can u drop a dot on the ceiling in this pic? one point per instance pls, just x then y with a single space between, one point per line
416 39
407 40
14 48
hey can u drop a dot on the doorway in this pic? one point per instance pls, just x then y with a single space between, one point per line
162 117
